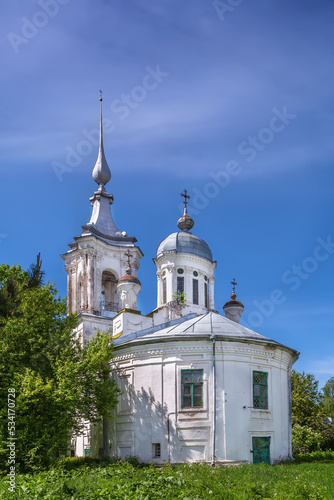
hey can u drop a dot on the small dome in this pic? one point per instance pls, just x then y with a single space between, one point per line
185 242
129 278
185 222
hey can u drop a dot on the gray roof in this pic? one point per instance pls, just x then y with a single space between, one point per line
185 242
195 327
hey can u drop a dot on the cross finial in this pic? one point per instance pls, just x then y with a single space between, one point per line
233 283
128 255
100 94
186 197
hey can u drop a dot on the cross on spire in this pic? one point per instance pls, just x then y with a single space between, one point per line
233 283
186 198
100 94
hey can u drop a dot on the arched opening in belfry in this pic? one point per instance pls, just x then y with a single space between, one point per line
109 293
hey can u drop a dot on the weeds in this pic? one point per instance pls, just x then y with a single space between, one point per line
115 479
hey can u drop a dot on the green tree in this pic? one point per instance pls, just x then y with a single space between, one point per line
328 397
311 429
58 380
306 400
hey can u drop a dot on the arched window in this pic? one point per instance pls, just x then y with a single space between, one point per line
109 294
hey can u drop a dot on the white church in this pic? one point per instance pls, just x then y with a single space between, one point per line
197 386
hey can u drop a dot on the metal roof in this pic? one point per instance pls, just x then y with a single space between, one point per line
204 325
185 242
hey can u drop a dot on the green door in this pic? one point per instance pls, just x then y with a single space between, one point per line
261 450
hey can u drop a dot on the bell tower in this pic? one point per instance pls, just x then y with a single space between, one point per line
98 258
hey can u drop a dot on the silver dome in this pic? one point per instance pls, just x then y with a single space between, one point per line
185 242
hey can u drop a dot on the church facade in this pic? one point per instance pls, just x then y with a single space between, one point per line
196 386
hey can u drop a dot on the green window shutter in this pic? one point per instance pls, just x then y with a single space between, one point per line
260 390
191 388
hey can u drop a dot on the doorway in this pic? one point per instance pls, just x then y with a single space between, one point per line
261 450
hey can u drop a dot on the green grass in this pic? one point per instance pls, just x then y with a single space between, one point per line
189 482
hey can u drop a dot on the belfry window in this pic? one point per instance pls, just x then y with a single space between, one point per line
260 390
195 291
191 388
109 297
164 290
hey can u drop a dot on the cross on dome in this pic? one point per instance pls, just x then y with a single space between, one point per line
186 197
233 283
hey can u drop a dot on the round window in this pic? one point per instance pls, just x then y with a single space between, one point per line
164 273
180 270
205 278
195 273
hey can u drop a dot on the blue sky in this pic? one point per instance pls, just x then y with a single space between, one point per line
231 100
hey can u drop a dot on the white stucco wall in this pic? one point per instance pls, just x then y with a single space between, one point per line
150 375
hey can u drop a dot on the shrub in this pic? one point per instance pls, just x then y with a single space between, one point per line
305 439
315 456
70 463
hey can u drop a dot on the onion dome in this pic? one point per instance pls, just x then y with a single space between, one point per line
233 308
129 278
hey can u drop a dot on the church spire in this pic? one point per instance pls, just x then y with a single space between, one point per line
101 172
185 222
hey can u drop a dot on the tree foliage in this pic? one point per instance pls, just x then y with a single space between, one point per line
59 381
311 429
306 399
328 397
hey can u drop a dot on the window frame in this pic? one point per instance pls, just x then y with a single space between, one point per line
180 280
195 292
164 290
192 385
263 390
156 450
206 295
